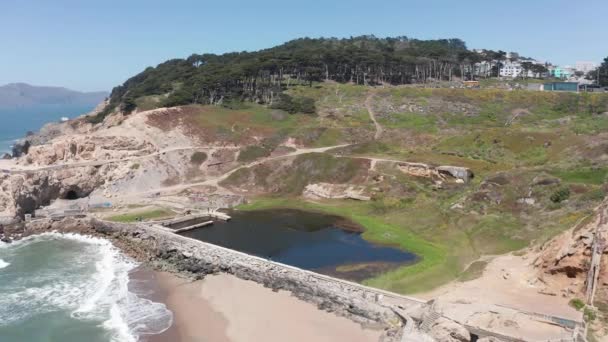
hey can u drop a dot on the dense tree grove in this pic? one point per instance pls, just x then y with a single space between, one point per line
603 73
261 76
600 74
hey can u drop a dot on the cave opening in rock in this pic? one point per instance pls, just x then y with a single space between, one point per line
71 195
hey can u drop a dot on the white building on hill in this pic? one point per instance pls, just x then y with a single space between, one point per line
511 69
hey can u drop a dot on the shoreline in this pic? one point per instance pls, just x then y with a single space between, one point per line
143 279
224 308
190 260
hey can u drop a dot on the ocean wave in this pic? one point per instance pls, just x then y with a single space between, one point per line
102 295
3 264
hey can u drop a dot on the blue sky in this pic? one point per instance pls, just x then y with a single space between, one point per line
95 45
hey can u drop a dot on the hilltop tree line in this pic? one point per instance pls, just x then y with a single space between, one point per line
263 75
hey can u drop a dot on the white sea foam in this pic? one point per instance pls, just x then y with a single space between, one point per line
102 296
3 264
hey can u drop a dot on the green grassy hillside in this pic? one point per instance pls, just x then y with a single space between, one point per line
540 161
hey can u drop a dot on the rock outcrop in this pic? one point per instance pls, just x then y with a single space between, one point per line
568 254
86 148
442 173
335 191
457 172
446 330
23 193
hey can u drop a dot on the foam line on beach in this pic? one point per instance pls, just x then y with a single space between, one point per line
102 295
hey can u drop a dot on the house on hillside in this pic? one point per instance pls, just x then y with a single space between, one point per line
560 72
511 69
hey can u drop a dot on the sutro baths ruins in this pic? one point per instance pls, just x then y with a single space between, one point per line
404 318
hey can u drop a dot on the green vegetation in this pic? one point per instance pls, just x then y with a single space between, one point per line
600 75
474 271
259 76
576 303
413 121
305 169
589 314
595 176
294 105
253 152
560 195
153 214
198 158
536 174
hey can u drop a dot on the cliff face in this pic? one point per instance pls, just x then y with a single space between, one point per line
24 193
565 261
123 157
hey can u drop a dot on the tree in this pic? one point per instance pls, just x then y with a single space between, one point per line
539 70
263 76
592 75
602 73
500 57
526 67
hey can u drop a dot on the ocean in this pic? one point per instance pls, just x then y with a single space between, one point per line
64 287
72 288
16 122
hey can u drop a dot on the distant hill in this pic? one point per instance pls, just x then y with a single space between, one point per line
25 95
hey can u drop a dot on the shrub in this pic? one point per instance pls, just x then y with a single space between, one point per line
589 314
128 105
99 117
577 303
198 158
386 204
294 105
560 195
253 152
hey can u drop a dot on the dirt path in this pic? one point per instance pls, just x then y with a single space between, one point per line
216 180
10 167
372 115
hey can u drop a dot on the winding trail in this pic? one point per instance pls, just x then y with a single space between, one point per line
216 180
372 115
9 167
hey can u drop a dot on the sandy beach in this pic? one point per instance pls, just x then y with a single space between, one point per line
224 308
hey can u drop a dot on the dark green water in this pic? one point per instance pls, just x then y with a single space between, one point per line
323 243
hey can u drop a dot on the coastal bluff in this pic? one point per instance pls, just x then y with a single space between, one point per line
164 250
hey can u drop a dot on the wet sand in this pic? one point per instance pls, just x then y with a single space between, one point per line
145 283
223 308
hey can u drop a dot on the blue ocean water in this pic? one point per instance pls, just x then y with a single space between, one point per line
71 288
16 122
